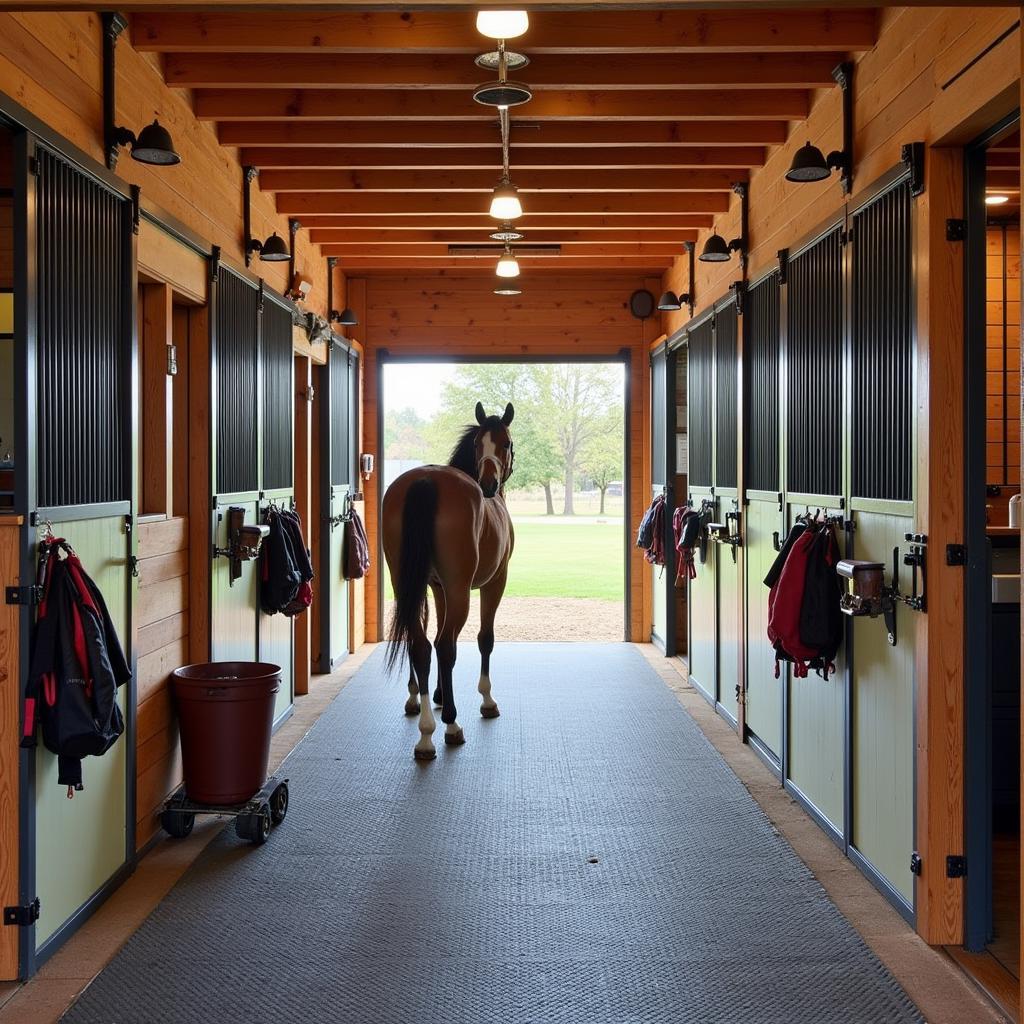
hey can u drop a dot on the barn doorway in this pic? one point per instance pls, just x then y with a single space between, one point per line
567 495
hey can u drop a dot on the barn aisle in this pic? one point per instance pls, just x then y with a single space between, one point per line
587 857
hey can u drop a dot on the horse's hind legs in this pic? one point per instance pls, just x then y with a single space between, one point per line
412 705
419 655
455 619
490 597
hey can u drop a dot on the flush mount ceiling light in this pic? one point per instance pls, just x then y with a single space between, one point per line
508 289
153 145
502 24
505 203
508 265
809 163
491 60
992 200
275 248
507 233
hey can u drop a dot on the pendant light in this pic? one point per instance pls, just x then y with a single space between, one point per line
502 24
809 163
507 233
669 302
508 265
505 203
502 93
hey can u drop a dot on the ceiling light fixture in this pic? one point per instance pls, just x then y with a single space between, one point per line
275 248
994 200
507 233
809 163
508 265
502 93
502 24
717 249
505 203
153 145
508 289
669 302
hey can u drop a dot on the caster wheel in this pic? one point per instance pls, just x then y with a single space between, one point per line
254 827
279 803
177 823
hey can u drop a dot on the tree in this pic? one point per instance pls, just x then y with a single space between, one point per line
404 434
601 458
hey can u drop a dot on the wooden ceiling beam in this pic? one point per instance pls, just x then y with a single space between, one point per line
489 159
593 31
525 134
527 181
651 264
297 204
482 224
405 236
440 250
459 74
438 105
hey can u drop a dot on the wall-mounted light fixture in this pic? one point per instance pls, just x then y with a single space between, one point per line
153 145
717 249
275 248
669 301
809 163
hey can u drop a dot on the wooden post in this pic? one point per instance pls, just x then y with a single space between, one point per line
200 482
303 415
157 407
940 504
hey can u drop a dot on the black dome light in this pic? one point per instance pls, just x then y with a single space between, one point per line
155 146
275 250
669 301
716 250
809 164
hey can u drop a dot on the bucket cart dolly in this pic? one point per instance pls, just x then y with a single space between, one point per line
253 818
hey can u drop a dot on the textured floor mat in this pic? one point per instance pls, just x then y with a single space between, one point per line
586 858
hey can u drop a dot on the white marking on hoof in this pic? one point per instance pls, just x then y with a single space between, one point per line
412 706
425 748
488 707
453 735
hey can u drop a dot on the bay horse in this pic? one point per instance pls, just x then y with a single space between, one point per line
447 527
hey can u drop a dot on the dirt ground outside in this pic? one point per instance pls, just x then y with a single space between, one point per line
546 619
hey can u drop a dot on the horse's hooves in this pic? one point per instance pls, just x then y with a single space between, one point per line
486 712
412 709
424 755
455 739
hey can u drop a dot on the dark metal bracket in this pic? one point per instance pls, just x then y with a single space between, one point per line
742 189
136 194
293 230
843 161
956 229
214 262
24 916
690 298
114 137
956 866
28 595
252 246
956 554
912 157
783 257
244 542
739 289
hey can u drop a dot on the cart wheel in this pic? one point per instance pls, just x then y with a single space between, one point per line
279 803
254 827
177 823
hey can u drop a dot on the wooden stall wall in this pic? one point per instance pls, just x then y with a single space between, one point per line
570 315
942 77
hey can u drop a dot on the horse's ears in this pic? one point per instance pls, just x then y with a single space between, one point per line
481 416
509 413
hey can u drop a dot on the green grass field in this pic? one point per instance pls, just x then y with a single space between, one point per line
564 559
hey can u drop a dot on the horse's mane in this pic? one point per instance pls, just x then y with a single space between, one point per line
464 453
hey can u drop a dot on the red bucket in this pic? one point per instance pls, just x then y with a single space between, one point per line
226 715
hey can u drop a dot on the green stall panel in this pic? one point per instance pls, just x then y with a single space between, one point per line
81 843
883 717
701 601
764 691
817 735
728 630
659 602
233 616
337 582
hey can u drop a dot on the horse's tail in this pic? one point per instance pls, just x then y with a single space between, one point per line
416 556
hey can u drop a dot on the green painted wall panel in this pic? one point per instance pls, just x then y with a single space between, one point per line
883 718
701 603
233 625
764 691
728 630
81 843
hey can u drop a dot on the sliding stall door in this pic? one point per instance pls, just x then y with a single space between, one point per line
764 524
277 476
662 472
78 336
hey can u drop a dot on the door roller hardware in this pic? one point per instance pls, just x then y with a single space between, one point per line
865 591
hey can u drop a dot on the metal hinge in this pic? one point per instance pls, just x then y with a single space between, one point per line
915 863
846 236
136 211
22 917
956 229
956 554
33 166
29 595
214 262
956 867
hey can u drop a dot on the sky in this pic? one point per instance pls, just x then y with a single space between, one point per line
416 386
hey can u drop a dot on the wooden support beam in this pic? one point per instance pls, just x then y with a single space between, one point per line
653 264
593 180
405 236
643 32
525 133
481 224
269 158
468 203
352 250
457 73
438 105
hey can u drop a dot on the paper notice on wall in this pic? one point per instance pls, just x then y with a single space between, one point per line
682 450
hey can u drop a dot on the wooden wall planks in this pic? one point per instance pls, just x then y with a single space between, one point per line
568 315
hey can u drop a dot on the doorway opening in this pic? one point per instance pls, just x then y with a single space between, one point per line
992 648
567 495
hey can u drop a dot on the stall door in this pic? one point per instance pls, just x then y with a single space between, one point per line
337 428
277 480
76 351
236 328
764 527
662 473
701 594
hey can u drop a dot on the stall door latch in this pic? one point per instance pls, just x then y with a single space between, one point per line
916 863
22 917
956 867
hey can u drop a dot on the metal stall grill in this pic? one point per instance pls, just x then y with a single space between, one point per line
84 337
814 360
882 347
659 453
341 454
700 402
236 383
726 398
278 395
762 316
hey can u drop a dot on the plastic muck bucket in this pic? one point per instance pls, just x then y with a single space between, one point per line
226 714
